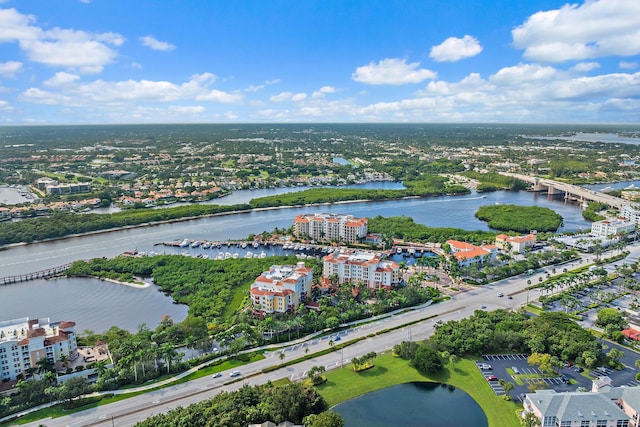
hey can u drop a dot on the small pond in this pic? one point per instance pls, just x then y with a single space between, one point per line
416 404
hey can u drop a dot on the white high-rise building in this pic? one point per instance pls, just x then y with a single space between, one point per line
24 342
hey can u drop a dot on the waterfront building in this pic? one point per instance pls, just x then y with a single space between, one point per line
72 188
330 227
611 227
631 213
515 244
360 267
282 288
608 407
24 342
467 254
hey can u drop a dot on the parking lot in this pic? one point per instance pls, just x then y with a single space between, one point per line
517 363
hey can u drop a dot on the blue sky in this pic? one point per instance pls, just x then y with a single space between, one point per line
209 61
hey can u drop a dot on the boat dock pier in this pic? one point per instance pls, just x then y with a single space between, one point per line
42 274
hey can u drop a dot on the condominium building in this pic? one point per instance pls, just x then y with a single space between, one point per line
73 188
366 267
610 407
631 213
611 227
24 342
515 244
330 227
281 288
467 254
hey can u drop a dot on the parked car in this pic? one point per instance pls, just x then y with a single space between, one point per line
491 378
578 369
484 366
515 370
564 379
234 374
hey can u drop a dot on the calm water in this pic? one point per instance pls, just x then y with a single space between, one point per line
447 211
91 303
413 405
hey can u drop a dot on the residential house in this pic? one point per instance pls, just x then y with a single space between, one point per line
515 244
467 254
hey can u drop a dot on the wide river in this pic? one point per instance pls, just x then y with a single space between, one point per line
97 305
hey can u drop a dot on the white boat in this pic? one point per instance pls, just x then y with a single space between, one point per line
184 243
206 245
248 255
398 251
411 251
255 245
227 255
220 256
243 245
263 254
195 244
236 255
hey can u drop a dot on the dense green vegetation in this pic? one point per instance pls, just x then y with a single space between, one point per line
591 213
426 185
521 219
249 405
61 224
502 331
496 181
206 286
402 227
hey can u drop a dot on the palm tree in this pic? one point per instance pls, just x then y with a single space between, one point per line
169 354
64 359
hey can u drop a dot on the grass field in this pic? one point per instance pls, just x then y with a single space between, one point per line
344 384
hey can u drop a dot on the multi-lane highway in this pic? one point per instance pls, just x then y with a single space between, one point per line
129 411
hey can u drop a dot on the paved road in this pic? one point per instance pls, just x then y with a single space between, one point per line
129 411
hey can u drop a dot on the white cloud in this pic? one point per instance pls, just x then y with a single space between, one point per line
187 109
594 29
628 65
10 68
288 96
322 91
299 97
281 97
61 79
257 88
392 71
155 44
4 106
455 49
583 67
109 93
525 73
66 48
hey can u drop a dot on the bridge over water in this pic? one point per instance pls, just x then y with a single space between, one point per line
42 274
570 191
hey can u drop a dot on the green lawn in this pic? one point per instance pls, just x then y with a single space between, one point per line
344 384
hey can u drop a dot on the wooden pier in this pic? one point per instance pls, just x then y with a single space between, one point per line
42 274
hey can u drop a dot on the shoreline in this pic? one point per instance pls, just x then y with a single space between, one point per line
191 218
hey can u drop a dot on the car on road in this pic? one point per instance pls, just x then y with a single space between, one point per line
234 374
500 294
491 378
483 307
218 375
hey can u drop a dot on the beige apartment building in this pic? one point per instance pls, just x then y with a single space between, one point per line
327 227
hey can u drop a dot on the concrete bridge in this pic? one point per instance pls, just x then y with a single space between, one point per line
570 191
